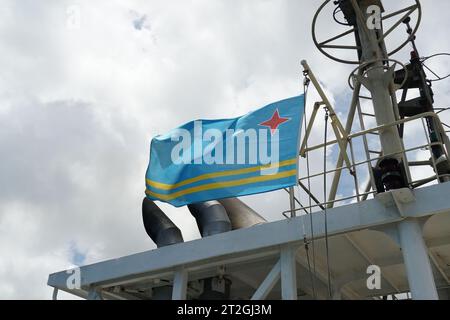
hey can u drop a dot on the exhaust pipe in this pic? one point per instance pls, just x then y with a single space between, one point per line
158 226
240 214
211 217
218 216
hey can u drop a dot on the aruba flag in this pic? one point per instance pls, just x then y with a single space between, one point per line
215 159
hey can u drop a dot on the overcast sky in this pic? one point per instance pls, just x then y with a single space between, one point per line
85 85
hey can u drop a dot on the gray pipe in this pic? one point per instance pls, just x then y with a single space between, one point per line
158 226
241 215
211 217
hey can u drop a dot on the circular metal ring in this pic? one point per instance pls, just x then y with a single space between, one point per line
438 78
319 47
413 33
352 74
314 22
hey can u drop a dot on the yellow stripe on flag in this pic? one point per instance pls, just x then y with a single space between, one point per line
224 184
165 186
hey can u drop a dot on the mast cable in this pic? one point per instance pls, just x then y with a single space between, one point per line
325 199
306 82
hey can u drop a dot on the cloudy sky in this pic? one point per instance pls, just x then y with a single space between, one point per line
85 85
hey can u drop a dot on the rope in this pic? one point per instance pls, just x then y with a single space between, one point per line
309 268
325 199
306 83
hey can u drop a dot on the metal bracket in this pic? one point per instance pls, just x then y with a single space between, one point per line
397 197
269 282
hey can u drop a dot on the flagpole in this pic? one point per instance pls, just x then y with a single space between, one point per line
292 201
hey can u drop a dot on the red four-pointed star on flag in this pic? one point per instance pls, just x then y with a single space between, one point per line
274 122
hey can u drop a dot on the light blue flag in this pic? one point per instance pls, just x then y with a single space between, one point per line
215 159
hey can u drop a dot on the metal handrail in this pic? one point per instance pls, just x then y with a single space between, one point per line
374 159
327 202
381 127
443 143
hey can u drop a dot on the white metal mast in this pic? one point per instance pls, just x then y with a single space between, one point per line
378 78
378 82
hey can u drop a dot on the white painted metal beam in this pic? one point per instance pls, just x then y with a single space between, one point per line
269 282
288 273
417 264
180 284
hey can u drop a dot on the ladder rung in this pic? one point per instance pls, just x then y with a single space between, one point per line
374 133
367 114
376 152
365 97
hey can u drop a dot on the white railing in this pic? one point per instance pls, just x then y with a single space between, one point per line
443 142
